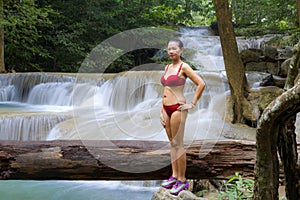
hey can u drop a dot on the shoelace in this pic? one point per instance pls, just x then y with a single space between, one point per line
171 178
177 184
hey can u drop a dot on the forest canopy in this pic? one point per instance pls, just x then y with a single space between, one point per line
44 35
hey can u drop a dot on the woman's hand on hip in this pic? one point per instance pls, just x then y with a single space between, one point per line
186 107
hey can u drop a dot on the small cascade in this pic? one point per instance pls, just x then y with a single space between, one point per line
200 31
133 88
208 55
126 90
59 94
23 83
7 93
28 127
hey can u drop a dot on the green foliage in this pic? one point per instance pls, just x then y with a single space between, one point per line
272 14
237 188
54 35
203 12
22 22
100 60
44 35
260 17
202 193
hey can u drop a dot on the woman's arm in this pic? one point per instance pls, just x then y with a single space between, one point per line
190 73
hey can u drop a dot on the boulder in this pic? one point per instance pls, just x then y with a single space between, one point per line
250 55
206 187
273 80
256 66
268 67
214 27
267 81
272 68
270 53
285 53
258 99
164 194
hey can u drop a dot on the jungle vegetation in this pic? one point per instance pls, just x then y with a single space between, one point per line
55 36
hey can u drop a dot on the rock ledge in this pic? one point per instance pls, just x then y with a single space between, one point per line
164 194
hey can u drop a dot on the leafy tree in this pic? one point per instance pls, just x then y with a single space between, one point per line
44 35
22 20
82 25
203 12
275 14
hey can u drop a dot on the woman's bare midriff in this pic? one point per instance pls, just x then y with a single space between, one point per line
173 95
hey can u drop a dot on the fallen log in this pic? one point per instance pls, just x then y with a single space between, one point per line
121 160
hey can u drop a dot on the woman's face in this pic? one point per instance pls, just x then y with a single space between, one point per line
174 51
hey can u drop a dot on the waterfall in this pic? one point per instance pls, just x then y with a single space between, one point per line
129 89
7 93
51 94
208 55
127 107
20 94
23 83
115 106
28 127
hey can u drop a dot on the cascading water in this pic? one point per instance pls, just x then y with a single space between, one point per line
30 127
119 106
29 109
23 83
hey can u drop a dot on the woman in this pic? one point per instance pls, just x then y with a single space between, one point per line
174 112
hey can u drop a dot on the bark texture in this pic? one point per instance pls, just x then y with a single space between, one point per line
233 64
298 11
276 122
293 68
288 153
73 160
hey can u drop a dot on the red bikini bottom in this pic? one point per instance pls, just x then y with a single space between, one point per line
170 109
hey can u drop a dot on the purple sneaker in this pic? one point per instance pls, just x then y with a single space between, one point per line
178 187
169 183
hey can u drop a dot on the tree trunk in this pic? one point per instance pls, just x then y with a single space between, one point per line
288 154
298 11
2 64
293 68
267 164
128 160
233 64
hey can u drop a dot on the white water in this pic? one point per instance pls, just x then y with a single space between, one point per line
76 190
127 107
28 127
123 106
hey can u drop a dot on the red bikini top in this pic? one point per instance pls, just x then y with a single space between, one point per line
172 80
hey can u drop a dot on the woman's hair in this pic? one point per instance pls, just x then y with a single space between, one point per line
179 42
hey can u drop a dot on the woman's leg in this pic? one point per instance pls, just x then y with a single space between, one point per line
177 125
173 153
